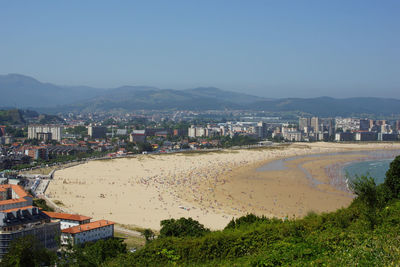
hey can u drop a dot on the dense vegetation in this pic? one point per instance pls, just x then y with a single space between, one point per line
364 234
28 252
19 116
12 116
238 140
41 203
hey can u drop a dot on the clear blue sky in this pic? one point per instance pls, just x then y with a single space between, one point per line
270 48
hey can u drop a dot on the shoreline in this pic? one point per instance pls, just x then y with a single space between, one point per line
146 189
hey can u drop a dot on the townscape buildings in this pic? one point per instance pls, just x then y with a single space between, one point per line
77 138
77 229
18 218
88 232
338 129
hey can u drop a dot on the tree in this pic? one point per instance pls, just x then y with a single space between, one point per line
370 195
245 221
182 227
148 235
41 203
392 180
27 251
144 147
93 254
34 142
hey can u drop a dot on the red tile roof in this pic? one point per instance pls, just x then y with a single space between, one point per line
87 226
10 201
18 190
67 216
22 208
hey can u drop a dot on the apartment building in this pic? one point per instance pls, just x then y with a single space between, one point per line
88 232
52 132
18 218
68 220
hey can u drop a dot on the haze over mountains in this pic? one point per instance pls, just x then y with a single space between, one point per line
26 92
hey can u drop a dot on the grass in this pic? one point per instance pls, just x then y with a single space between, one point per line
42 171
48 170
131 241
278 147
58 202
134 228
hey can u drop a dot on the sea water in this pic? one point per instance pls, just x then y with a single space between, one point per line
376 169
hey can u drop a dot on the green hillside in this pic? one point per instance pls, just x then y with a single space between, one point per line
12 116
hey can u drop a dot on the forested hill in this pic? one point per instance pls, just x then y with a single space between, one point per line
13 116
18 116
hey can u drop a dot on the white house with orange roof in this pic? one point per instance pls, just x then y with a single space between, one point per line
68 220
88 232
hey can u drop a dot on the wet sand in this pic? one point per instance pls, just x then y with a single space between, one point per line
209 187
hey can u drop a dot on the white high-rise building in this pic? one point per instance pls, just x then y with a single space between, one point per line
36 131
194 131
315 124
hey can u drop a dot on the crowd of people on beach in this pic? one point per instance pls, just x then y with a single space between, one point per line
189 183
197 182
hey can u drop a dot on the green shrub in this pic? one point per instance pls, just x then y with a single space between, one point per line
182 227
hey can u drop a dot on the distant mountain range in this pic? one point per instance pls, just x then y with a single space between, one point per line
25 92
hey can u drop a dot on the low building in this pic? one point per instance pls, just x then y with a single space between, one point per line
97 131
387 137
291 134
138 136
180 132
323 136
163 134
6 140
366 136
2 130
7 162
88 232
68 220
343 137
37 153
13 196
65 150
121 132
153 131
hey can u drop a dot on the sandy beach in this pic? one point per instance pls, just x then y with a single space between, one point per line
210 187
